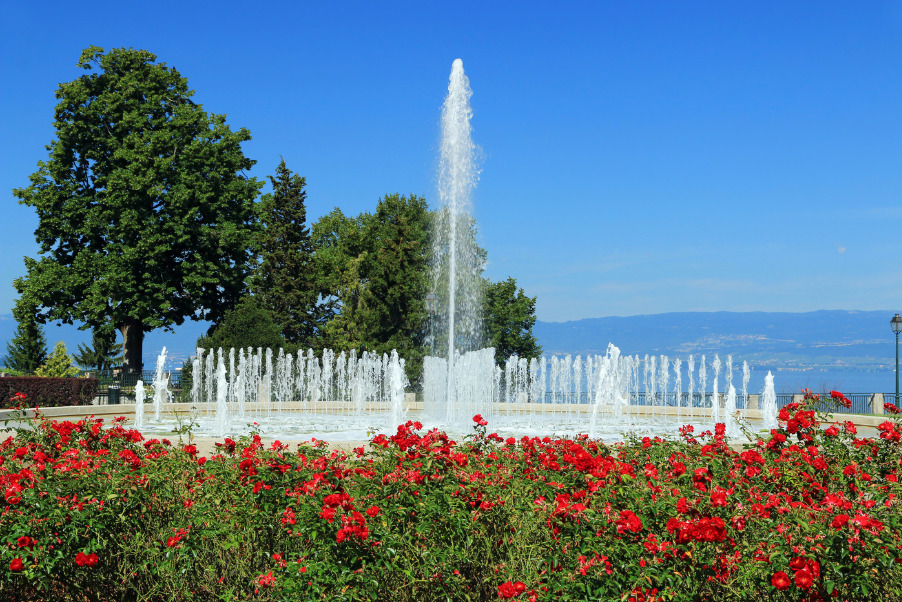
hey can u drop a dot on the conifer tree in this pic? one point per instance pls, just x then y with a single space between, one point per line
28 349
284 280
59 364
103 353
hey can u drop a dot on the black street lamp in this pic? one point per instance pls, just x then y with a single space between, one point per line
896 323
432 308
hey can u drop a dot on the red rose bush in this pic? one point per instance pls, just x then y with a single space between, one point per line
808 511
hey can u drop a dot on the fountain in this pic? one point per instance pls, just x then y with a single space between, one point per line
160 386
140 395
347 396
457 265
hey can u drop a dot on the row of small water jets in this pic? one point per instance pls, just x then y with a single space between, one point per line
253 384
571 392
542 392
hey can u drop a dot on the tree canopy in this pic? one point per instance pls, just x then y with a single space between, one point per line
509 318
374 272
145 213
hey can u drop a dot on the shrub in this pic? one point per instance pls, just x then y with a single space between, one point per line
96 512
50 392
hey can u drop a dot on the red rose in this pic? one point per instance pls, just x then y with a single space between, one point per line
839 521
803 579
16 565
509 589
780 580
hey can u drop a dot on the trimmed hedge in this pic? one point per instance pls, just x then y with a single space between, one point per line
49 392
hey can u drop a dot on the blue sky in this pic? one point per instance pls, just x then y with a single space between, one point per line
638 157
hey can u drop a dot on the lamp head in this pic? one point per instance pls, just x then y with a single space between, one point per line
896 323
432 303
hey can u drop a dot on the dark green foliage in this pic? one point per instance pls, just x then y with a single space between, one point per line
340 247
248 324
48 392
284 280
28 349
145 214
396 269
103 354
376 268
509 318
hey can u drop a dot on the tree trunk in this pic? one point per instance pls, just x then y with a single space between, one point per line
132 348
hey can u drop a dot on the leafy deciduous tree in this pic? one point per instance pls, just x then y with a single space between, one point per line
146 216
509 318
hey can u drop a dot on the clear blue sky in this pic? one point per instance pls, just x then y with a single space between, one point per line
639 157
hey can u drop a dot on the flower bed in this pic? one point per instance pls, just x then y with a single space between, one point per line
809 512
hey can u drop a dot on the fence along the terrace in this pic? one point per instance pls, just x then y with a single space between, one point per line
127 384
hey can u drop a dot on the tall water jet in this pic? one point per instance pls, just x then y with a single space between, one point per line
746 375
608 391
160 386
222 409
457 264
733 430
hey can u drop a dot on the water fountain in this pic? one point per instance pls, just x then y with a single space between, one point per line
346 396
457 266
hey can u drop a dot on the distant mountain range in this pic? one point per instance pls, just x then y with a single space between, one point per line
819 340
829 339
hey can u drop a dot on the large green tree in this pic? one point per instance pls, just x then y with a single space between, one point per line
374 273
340 248
397 273
145 212
28 348
284 279
508 321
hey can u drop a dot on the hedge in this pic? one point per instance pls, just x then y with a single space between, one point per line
49 392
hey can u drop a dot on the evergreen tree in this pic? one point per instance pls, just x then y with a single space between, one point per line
58 365
284 280
397 276
28 349
145 213
509 318
103 353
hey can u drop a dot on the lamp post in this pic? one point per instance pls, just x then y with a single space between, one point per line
432 308
896 323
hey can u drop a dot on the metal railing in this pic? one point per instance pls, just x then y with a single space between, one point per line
126 384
